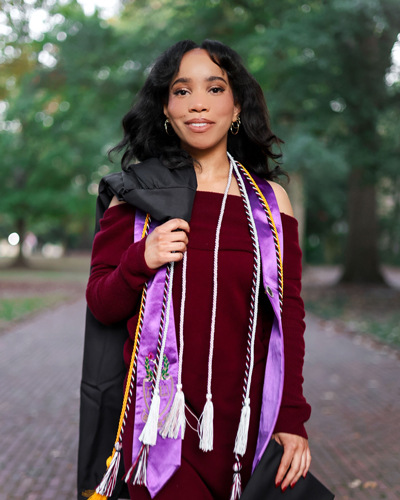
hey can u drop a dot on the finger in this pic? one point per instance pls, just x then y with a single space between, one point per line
174 257
301 470
166 235
308 462
293 470
174 224
177 246
164 240
167 245
179 237
284 465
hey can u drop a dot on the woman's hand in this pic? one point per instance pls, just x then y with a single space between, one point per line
166 243
295 461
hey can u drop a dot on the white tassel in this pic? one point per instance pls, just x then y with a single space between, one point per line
128 475
140 466
243 429
150 430
236 490
107 485
175 420
207 425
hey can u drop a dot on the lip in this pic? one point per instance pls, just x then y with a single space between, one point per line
199 125
198 120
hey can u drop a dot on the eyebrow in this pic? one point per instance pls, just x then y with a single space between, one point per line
209 79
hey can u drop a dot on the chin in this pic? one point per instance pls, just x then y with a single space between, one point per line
203 146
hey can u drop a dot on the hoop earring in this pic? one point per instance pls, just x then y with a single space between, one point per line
235 126
166 123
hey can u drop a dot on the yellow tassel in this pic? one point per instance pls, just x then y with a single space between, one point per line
108 461
97 496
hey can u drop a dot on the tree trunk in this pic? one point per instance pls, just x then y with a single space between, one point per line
21 261
297 198
361 259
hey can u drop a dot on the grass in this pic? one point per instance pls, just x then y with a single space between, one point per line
69 269
16 308
327 309
370 311
45 284
387 331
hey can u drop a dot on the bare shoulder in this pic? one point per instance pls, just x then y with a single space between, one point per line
115 201
282 198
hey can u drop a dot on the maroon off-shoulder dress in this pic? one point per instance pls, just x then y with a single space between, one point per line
118 274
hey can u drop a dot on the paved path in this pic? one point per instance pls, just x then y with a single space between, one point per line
354 431
40 370
354 390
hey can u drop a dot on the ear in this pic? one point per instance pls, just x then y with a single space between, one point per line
237 110
165 109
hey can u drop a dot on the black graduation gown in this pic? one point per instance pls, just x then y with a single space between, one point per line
165 194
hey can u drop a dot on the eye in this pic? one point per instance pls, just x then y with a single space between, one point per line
180 92
217 90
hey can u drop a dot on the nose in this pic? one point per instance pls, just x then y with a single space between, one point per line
198 104
198 108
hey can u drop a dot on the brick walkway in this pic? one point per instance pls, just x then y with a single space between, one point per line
354 430
40 369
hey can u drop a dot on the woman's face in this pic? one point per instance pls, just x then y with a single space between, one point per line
201 107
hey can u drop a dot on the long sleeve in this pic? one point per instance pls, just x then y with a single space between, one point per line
118 267
294 408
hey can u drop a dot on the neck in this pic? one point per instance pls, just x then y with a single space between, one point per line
214 164
212 168
212 171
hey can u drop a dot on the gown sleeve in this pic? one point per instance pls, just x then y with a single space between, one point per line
295 410
118 267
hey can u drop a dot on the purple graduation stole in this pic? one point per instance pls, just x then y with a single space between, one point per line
165 456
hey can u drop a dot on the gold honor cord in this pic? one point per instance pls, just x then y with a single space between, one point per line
272 225
94 495
134 352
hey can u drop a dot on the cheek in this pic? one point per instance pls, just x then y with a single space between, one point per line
226 107
174 108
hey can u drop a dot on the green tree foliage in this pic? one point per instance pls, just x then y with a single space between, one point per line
62 115
322 65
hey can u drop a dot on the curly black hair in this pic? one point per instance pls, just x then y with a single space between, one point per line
144 133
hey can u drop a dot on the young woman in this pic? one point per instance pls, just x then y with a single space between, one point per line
209 387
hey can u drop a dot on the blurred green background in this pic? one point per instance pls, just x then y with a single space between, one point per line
330 71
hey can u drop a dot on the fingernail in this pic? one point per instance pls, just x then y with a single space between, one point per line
284 489
292 485
304 475
278 484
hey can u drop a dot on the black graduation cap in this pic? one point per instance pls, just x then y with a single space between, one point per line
164 194
262 483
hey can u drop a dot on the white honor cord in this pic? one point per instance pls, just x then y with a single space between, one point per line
258 275
175 419
244 423
182 317
166 325
150 430
215 277
206 421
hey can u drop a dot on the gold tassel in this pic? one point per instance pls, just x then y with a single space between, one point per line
87 493
97 496
92 495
